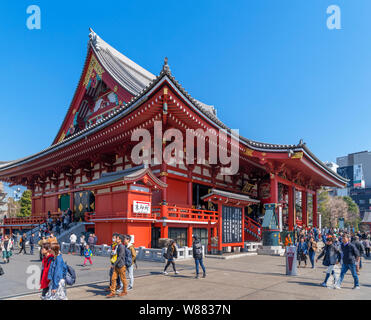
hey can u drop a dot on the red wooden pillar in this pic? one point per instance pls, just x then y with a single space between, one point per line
164 231
274 188
56 203
304 206
72 205
243 224
163 175
220 230
291 217
189 236
209 236
43 203
189 193
315 215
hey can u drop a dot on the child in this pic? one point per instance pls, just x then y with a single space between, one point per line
88 254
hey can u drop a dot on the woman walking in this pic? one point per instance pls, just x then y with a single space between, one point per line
312 245
302 251
57 276
6 248
171 253
45 266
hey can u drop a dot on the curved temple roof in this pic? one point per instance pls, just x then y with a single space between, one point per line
140 82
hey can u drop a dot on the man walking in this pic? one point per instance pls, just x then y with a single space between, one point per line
113 258
119 268
130 245
197 255
23 240
73 240
32 243
358 244
350 256
331 259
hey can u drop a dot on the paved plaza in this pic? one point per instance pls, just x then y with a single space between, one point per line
245 278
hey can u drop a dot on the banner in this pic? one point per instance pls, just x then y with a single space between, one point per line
291 261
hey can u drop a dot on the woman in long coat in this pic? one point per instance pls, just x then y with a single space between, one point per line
302 251
170 254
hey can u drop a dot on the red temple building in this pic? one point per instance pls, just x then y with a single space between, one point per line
89 168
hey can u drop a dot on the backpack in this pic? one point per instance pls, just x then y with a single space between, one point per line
198 248
128 258
175 254
70 275
133 256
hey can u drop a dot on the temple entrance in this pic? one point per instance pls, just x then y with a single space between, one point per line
84 202
155 235
64 202
179 235
199 191
202 235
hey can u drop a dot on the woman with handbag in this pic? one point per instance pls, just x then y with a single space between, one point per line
312 245
170 254
302 251
6 248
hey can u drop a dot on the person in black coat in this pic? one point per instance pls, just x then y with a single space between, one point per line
350 257
197 255
358 244
23 244
171 253
332 256
32 243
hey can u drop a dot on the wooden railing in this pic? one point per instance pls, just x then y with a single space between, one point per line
254 227
172 213
187 214
24 220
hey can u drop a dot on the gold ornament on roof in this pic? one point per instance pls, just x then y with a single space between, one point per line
297 155
249 152
93 66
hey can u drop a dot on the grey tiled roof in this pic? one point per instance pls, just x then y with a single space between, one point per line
140 82
122 175
231 195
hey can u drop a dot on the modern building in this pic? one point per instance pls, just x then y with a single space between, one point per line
356 167
90 167
3 202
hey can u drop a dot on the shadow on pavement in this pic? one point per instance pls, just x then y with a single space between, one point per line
311 284
98 290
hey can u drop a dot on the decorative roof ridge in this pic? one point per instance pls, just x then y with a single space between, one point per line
99 44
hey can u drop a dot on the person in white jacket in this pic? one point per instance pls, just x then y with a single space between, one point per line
73 240
6 248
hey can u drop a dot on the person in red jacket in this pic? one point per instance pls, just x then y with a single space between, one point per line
45 265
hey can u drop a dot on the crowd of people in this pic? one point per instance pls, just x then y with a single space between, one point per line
339 248
54 270
336 247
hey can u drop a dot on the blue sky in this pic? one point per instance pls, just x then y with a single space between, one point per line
272 68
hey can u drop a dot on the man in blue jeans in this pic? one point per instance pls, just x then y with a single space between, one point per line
197 255
350 255
32 243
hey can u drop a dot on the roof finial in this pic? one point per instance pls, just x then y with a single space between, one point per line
166 67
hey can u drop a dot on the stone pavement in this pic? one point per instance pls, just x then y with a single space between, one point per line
245 278
14 281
